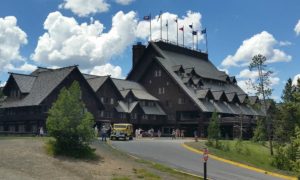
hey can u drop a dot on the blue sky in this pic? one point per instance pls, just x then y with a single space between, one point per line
236 30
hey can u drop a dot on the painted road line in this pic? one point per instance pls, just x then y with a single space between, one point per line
240 164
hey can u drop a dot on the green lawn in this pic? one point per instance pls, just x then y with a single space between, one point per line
248 152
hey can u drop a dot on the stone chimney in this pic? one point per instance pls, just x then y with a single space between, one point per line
137 52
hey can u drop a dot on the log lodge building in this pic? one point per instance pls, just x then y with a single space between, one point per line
168 87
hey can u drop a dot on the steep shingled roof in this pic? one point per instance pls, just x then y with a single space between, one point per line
42 86
24 82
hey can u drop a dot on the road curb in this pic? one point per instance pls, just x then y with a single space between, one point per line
239 164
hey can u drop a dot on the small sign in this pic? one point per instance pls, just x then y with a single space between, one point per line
205 154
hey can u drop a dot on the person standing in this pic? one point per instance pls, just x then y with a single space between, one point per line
137 133
158 133
173 134
182 133
103 133
41 131
196 135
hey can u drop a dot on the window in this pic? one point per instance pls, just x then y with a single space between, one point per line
159 73
153 117
168 83
145 116
123 115
133 116
181 101
112 101
151 104
143 103
21 128
150 81
168 103
155 73
163 90
102 99
101 113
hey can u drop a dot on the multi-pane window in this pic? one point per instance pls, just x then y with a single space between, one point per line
181 100
112 101
161 90
145 116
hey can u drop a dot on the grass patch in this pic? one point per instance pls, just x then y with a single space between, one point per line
82 152
166 169
246 152
121 178
144 174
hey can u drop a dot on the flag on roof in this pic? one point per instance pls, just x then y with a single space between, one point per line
159 16
167 24
182 28
194 32
147 18
191 26
203 31
176 20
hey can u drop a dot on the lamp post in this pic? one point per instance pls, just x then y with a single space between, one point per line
205 158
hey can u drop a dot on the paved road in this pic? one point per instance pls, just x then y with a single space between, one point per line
171 153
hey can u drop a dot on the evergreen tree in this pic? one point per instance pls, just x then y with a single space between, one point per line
260 131
214 127
287 94
262 87
70 123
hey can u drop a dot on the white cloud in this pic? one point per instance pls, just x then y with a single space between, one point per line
25 67
84 8
124 2
2 84
295 79
297 28
67 42
12 38
263 43
190 18
285 43
246 77
107 69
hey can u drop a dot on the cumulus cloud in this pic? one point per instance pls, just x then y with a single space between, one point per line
263 43
68 42
12 38
295 79
107 69
190 18
25 67
84 8
297 28
124 2
247 77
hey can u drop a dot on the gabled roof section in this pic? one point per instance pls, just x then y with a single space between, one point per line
43 85
232 97
203 93
153 110
243 97
126 86
253 99
125 107
96 82
24 82
219 95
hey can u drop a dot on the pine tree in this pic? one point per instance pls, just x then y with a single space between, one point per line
262 87
214 128
287 94
70 123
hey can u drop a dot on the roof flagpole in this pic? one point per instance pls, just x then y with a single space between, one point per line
176 20
148 18
167 31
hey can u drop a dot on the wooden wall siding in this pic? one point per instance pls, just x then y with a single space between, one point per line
169 99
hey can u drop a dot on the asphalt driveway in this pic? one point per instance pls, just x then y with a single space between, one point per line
173 154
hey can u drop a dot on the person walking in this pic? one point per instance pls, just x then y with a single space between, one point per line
103 133
173 134
158 133
196 135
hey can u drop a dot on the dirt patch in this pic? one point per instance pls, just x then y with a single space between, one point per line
26 159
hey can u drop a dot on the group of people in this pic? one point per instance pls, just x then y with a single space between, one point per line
177 133
139 133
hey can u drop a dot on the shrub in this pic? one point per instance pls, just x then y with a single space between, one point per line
70 124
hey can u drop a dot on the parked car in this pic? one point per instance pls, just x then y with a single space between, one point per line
121 131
